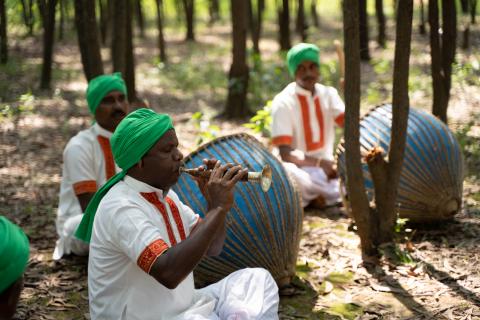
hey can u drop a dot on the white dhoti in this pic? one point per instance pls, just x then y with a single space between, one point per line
67 243
313 182
245 294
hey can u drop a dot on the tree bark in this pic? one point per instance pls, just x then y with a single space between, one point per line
313 11
188 6
442 51
104 20
465 5
300 24
3 34
363 23
381 37
88 40
27 13
354 180
213 11
256 22
473 11
238 77
140 17
47 8
400 108
119 36
284 25
130 56
161 38
421 27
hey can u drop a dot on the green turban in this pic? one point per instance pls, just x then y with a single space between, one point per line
102 85
300 53
14 251
134 136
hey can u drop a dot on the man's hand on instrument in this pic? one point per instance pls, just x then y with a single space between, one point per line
328 167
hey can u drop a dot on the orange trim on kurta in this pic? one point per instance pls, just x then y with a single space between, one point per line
282 140
307 129
153 199
340 120
87 186
107 154
150 254
177 218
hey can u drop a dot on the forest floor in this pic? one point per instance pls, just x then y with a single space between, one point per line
442 280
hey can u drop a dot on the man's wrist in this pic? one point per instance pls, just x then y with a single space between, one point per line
318 163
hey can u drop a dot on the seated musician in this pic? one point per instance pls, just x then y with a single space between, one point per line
88 160
14 252
144 242
304 116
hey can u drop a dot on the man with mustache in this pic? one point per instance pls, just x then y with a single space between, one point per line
304 116
145 243
88 161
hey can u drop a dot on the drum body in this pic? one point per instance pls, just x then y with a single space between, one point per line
431 181
263 228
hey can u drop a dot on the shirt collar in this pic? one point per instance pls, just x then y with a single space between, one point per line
101 131
304 92
142 187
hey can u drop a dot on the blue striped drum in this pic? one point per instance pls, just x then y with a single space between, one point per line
431 181
263 228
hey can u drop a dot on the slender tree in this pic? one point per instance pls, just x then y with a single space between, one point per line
465 5
301 24
314 13
129 55
3 34
363 23
381 37
88 39
47 9
255 15
61 22
189 8
140 17
442 51
213 11
161 38
473 11
119 36
27 14
421 27
284 25
238 77
103 6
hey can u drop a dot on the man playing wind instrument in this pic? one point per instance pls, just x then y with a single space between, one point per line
88 161
144 242
304 115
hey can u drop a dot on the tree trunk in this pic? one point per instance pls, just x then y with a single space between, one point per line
47 8
140 18
104 14
363 23
465 4
313 10
284 25
238 77
300 24
189 8
442 51
27 13
3 34
256 21
422 29
88 41
354 180
386 195
119 36
381 37
61 23
161 39
130 56
213 11
473 11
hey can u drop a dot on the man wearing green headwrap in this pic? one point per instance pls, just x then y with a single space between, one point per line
304 116
87 159
14 251
144 242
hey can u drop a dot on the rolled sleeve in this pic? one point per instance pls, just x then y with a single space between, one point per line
282 125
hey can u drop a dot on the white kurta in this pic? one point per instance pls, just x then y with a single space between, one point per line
307 122
130 233
87 163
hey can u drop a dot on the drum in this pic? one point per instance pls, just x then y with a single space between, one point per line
263 228
431 181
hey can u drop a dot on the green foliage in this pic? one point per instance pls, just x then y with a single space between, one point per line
467 73
14 112
261 121
402 235
340 277
303 269
348 311
206 130
469 143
